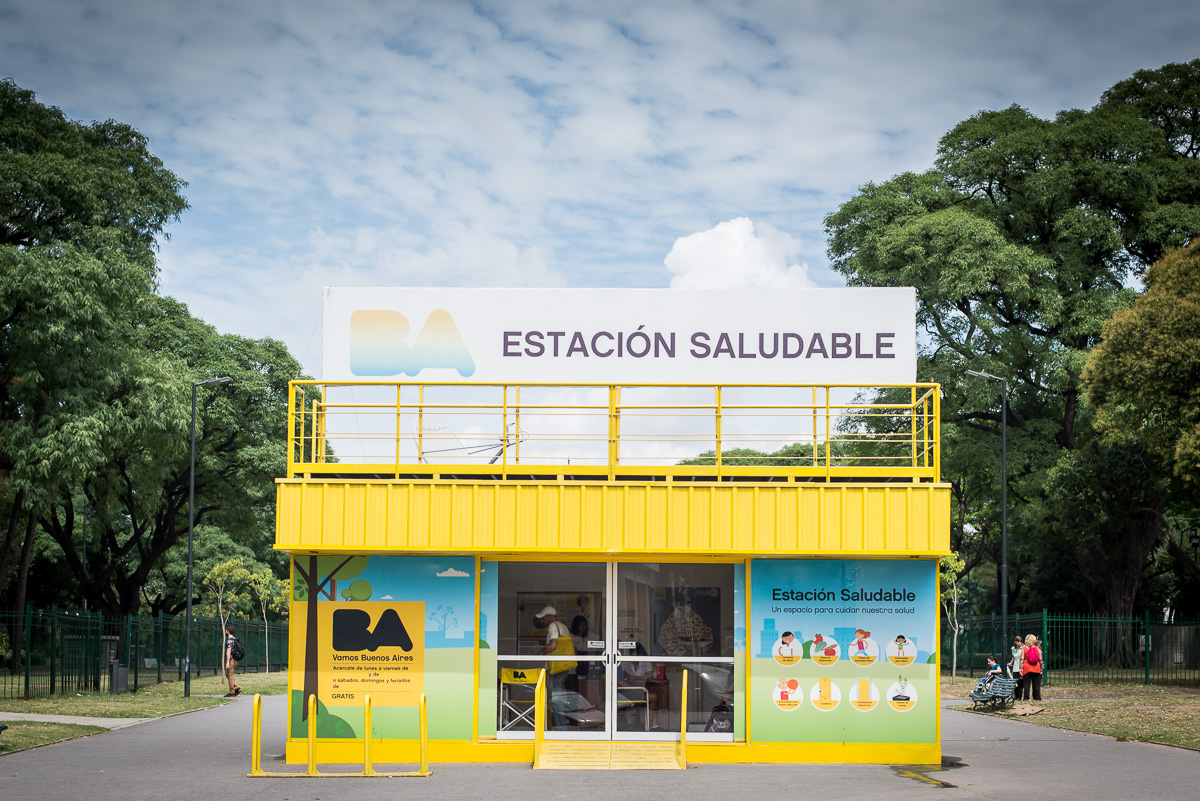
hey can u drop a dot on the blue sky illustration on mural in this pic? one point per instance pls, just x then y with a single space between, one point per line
689 144
444 581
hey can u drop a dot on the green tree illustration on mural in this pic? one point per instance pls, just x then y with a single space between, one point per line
358 590
314 576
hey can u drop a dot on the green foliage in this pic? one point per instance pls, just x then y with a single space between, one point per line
80 210
270 593
1144 379
96 373
1021 243
228 590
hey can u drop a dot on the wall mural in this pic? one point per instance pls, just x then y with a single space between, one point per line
391 627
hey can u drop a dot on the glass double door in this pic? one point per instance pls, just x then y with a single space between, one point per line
617 640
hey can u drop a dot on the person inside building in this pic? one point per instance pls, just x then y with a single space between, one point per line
558 644
645 674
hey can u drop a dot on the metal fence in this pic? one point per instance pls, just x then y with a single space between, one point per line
51 651
1083 649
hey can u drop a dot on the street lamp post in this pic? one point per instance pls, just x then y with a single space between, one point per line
1003 493
187 647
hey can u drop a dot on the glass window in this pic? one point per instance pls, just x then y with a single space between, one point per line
675 610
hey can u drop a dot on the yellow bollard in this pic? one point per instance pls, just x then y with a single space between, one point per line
539 716
256 738
368 768
312 737
424 739
256 770
683 722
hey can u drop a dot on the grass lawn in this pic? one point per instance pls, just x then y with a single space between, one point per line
150 701
1148 713
22 734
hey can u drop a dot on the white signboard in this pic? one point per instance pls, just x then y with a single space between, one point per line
863 336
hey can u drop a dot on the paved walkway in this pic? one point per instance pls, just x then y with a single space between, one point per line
108 723
204 755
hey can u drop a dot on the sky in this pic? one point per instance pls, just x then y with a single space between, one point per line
658 143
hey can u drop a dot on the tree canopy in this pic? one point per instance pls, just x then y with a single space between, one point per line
1022 240
96 371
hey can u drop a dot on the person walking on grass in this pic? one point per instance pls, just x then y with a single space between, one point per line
232 647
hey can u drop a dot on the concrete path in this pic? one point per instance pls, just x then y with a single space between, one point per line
204 755
108 723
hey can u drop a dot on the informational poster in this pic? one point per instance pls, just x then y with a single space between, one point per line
843 650
375 649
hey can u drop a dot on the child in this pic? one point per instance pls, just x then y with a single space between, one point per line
993 670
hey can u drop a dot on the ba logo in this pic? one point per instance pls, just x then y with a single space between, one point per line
352 631
379 344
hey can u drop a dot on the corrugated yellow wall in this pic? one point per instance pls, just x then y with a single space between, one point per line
729 519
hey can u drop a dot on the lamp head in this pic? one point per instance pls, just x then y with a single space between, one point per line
984 376
209 381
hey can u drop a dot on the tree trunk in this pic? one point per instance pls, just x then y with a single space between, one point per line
19 655
1112 563
310 635
10 536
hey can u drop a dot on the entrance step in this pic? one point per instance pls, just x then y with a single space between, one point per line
563 755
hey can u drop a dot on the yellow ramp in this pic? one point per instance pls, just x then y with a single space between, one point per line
562 755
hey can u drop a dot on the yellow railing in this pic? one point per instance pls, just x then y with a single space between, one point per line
681 748
572 431
310 770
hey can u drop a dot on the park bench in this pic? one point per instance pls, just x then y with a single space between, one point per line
995 692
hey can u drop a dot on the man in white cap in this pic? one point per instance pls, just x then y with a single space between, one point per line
558 643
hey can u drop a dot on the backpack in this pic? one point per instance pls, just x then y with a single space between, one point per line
237 651
1031 656
721 719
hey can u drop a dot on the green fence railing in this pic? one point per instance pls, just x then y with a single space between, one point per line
1083 649
52 651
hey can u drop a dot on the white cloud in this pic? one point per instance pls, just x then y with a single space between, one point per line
546 142
451 572
386 598
734 254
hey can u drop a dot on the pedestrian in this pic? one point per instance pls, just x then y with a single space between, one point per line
1031 670
1014 664
231 663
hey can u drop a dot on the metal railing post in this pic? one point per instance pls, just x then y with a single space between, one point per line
718 431
28 644
368 768
53 645
291 429
539 716
1045 666
311 770
1149 644
683 712
256 737
424 720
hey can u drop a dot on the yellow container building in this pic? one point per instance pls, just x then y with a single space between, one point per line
629 546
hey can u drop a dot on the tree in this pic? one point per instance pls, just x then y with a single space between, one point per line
272 596
1144 381
1021 242
81 209
1144 378
139 492
949 571
228 585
